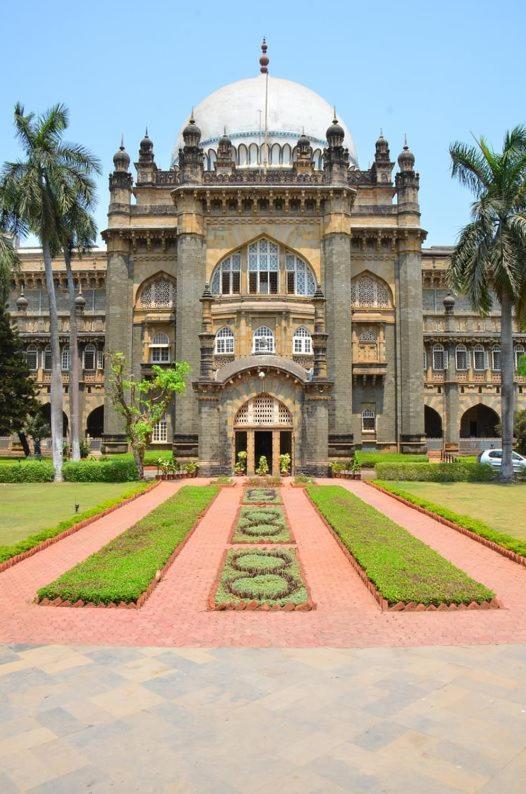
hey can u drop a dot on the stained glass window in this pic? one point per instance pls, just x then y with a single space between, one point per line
366 291
263 267
226 279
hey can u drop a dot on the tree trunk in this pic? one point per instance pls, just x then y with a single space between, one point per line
57 434
25 444
507 387
74 375
138 457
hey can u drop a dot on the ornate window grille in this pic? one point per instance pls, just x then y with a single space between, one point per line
439 358
65 359
368 337
263 340
518 353
302 342
158 294
263 267
160 432
160 349
224 341
300 278
47 358
263 410
226 279
90 355
495 359
368 421
32 358
461 358
367 292
479 358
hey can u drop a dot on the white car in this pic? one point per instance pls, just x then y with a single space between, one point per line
494 458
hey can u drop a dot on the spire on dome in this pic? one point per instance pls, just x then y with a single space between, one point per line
264 60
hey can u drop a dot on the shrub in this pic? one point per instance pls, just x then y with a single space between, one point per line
27 471
436 472
262 469
369 459
95 471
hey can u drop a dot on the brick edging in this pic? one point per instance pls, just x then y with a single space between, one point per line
4 566
511 555
58 602
401 606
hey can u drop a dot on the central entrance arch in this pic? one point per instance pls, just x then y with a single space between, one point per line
263 428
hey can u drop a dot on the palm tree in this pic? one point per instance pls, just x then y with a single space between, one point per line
9 260
490 255
81 233
40 190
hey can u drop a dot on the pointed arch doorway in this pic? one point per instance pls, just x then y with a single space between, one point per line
263 427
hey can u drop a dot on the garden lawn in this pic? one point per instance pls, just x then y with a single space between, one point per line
402 567
28 508
123 569
500 507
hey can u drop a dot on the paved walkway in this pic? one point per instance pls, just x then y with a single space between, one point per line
221 721
176 613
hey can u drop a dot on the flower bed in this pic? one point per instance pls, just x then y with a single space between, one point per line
261 579
261 524
261 496
125 571
403 572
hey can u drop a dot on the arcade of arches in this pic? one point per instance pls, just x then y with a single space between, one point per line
263 427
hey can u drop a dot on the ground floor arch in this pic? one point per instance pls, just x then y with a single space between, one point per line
263 430
95 422
433 423
479 421
46 414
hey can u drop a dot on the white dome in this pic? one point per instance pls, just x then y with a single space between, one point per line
240 107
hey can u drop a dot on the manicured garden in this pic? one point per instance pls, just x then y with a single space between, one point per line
261 523
123 570
459 471
403 569
261 496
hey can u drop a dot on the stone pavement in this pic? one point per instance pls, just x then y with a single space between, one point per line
346 616
108 719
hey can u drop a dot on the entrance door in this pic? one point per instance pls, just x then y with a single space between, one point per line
263 446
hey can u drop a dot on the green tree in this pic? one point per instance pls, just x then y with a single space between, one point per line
9 260
490 255
37 429
17 387
520 431
39 191
143 403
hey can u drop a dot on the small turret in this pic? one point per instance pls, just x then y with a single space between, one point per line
145 166
191 155
335 156
382 167
407 183
303 160
21 301
225 162
121 159
120 179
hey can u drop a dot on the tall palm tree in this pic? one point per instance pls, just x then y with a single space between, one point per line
9 259
81 232
40 190
490 255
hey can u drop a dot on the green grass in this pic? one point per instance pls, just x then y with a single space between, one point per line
369 459
261 496
150 459
33 512
123 569
268 576
402 567
261 524
496 512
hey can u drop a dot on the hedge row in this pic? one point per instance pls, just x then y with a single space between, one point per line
437 472
83 471
402 567
473 524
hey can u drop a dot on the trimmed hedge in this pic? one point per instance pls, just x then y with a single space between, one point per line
83 471
124 568
437 472
402 567
473 524
369 459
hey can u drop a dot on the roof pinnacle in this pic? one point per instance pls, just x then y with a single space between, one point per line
264 60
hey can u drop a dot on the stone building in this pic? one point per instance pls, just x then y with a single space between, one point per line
294 283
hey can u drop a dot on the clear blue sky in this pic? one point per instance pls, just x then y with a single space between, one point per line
439 71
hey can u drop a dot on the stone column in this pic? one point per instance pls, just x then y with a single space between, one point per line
250 452
451 431
275 453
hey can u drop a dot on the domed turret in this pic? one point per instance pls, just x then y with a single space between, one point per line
191 133
335 133
146 148
406 159
449 303
121 158
80 301
21 301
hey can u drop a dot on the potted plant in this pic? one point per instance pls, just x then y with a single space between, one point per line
284 464
191 468
262 469
240 467
356 470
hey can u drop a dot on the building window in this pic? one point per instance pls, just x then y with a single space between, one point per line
65 359
160 432
158 294
263 410
226 279
368 337
224 341
32 358
366 291
518 353
263 267
368 421
100 359
495 359
263 340
425 359
479 359
461 358
160 349
302 342
300 278
89 357
439 358
47 358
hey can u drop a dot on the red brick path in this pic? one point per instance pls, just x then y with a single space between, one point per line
346 613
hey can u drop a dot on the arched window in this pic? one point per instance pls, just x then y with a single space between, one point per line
366 291
212 157
47 358
479 358
316 156
300 278
32 357
65 359
302 342
425 359
518 353
263 410
100 359
275 154
286 155
224 341
495 359
439 358
158 294
263 267
368 421
90 356
160 349
461 358
226 279
242 154
253 154
160 432
263 340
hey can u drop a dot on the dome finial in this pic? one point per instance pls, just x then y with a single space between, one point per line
121 147
264 60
